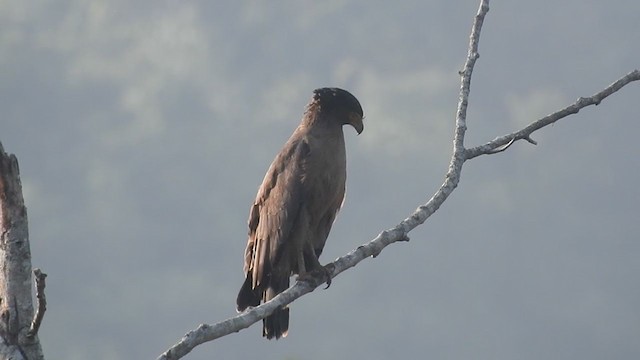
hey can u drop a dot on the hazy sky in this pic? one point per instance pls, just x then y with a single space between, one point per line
143 130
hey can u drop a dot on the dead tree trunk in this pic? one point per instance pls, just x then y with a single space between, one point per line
18 325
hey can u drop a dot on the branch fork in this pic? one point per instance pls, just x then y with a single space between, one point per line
374 247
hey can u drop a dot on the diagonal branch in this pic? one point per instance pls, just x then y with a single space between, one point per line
207 332
503 142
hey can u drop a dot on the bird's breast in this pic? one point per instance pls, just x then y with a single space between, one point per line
326 175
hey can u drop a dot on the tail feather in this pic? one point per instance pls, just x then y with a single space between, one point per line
247 296
276 325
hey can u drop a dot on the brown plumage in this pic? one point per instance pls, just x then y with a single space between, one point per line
297 202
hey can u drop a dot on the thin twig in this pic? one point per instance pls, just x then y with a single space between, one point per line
525 134
506 146
40 278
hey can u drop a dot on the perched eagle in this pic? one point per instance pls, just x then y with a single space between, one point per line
297 202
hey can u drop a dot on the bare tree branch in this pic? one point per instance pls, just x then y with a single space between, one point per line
507 140
16 306
207 332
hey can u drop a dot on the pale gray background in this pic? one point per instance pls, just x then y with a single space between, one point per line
144 128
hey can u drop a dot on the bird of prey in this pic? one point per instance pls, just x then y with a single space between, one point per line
297 203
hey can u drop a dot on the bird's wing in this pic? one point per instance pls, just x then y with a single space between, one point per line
325 224
275 210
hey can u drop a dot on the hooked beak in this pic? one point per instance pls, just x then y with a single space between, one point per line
355 120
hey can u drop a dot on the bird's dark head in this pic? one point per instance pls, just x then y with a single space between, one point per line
340 103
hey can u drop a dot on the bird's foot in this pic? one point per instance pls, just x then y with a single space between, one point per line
317 276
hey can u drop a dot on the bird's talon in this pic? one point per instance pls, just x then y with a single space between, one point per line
315 275
328 279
